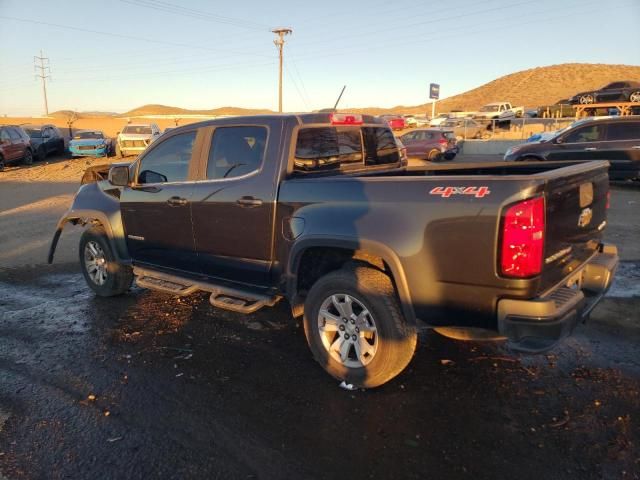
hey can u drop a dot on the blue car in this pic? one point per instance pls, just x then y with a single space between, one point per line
90 143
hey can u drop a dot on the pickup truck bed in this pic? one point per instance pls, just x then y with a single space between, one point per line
360 245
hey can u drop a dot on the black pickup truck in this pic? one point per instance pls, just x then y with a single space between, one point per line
320 210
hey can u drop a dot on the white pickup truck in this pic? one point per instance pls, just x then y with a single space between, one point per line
499 110
135 138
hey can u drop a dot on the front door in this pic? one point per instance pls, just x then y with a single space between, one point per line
233 208
156 210
583 143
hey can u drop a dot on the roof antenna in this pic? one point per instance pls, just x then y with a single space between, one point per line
335 107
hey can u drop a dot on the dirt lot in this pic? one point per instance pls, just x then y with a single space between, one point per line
147 386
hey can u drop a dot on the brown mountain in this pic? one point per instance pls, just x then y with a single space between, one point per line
166 110
528 88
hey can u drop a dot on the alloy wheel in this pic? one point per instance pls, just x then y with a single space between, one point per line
348 330
95 263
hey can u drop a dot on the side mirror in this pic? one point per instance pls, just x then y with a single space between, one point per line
559 140
119 175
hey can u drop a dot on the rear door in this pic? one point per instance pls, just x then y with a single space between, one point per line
10 148
233 207
622 149
18 143
156 210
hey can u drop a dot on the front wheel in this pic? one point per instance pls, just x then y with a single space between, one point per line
355 328
104 275
634 97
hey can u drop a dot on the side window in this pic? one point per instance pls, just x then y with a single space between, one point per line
15 136
236 151
328 148
380 146
409 136
592 133
168 161
623 131
4 135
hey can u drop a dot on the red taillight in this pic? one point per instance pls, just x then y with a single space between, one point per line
523 239
345 119
608 199
443 141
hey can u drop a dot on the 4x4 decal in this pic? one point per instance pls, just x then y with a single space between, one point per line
446 192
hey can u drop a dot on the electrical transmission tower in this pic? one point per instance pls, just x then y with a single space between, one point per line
42 72
279 43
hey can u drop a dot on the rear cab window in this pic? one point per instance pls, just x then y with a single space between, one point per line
344 148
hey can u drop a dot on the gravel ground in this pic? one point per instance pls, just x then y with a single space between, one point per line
149 386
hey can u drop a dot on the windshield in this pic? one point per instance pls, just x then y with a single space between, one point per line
87 135
33 133
137 129
489 108
452 124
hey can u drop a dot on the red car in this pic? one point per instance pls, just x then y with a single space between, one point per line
431 144
395 122
15 145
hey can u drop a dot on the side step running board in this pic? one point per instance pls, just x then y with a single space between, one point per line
241 301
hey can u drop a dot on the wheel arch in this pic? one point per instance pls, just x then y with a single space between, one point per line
92 206
362 250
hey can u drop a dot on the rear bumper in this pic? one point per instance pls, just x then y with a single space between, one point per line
538 324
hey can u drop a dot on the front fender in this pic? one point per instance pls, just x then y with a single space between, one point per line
96 203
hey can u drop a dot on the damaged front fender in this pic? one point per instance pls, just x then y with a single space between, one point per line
96 203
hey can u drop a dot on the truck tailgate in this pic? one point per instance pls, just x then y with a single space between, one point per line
576 212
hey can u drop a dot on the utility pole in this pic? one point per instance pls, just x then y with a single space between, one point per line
41 72
279 43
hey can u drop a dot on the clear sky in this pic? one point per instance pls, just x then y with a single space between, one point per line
114 55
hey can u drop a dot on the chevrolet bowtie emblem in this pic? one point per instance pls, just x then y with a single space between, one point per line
585 217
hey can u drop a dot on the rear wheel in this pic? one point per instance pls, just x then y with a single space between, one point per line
434 155
355 327
104 275
634 96
28 157
530 158
1 163
586 99
42 153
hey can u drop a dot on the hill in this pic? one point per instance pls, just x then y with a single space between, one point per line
529 88
71 113
167 110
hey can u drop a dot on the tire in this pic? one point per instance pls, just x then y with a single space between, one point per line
390 343
529 158
635 96
119 152
28 157
434 155
586 99
108 278
1 163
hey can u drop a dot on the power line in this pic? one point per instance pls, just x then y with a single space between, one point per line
198 14
295 84
130 37
43 75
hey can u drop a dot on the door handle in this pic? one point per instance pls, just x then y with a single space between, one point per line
177 201
636 147
249 202
590 149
